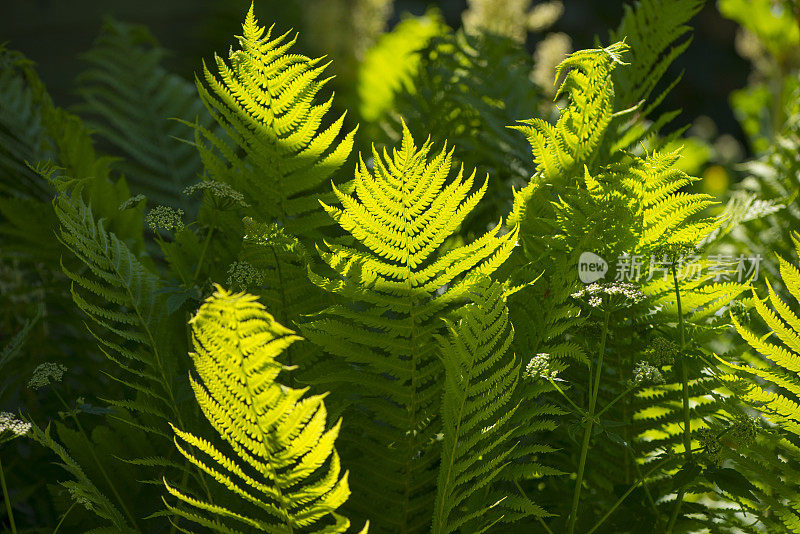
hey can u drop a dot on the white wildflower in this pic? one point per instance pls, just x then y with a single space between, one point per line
9 423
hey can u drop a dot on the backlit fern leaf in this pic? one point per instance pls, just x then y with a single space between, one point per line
467 89
480 377
779 397
285 466
563 149
772 387
394 287
264 99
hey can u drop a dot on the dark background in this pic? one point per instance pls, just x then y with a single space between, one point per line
53 33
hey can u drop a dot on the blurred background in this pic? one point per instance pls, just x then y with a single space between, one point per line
54 34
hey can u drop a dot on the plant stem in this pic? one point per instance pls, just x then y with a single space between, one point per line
63 517
587 436
687 429
561 391
7 499
202 254
625 496
610 404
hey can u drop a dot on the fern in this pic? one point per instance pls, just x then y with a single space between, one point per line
131 102
403 283
653 29
771 386
467 89
562 149
275 151
121 297
480 380
286 466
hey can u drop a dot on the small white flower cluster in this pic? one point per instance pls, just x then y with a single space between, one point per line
243 275
645 374
131 202
164 217
45 374
221 190
9 423
594 292
539 367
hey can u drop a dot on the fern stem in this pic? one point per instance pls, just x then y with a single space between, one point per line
7 500
202 254
96 459
687 429
587 436
63 517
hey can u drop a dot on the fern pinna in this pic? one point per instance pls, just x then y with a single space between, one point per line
285 466
394 285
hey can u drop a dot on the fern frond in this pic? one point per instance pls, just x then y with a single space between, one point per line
123 301
132 102
654 30
467 89
285 465
277 151
394 287
82 489
23 134
480 378
560 150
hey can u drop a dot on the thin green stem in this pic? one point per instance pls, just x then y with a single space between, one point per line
610 404
203 254
7 500
561 391
687 428
63 517
593 391
96 459
625 496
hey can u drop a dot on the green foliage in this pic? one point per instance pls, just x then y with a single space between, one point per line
277 150
480 379
393 290
132 102
286 466
474 379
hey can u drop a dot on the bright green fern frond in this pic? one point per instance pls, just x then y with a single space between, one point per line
277 150
131 102
393 290
772 386
561 149
284 466
481 375
779 397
